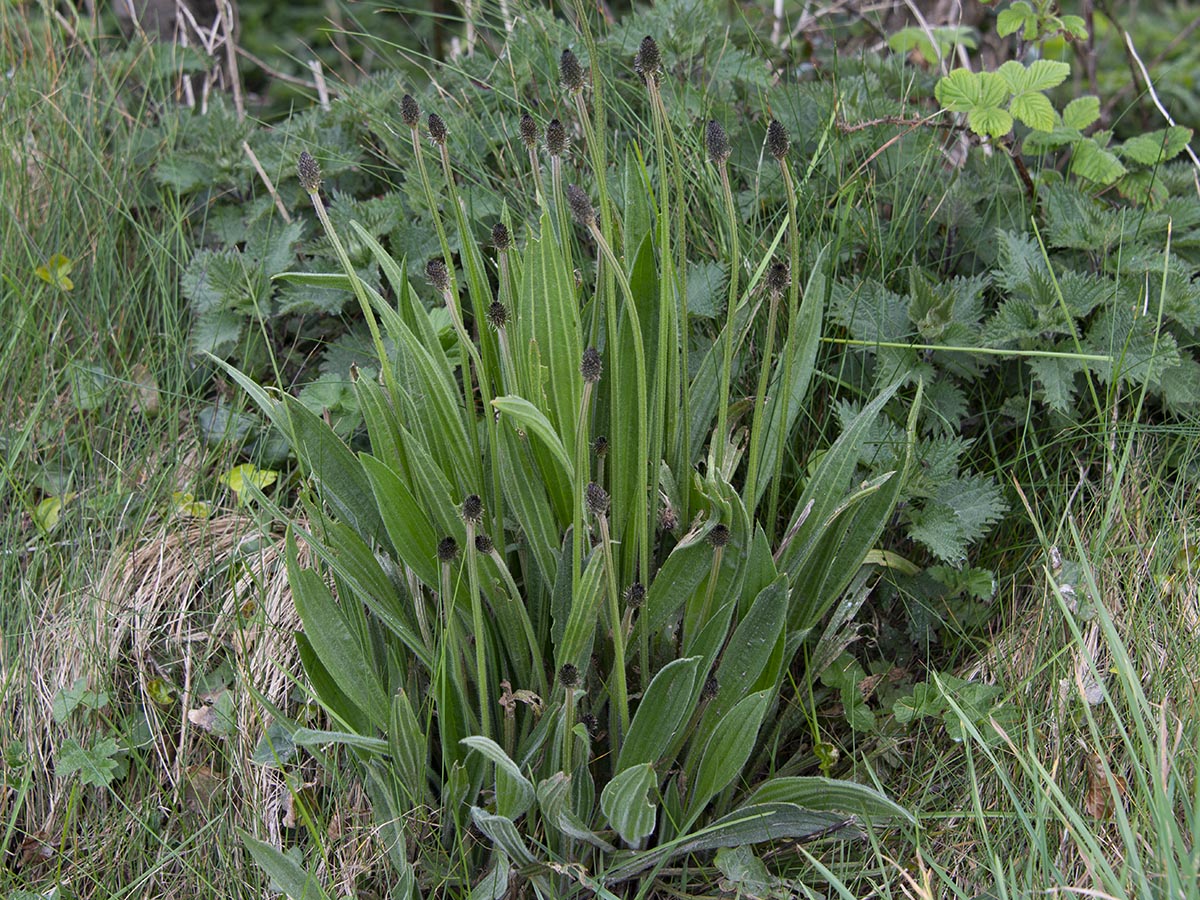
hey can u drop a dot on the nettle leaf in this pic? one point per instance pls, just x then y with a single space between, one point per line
1034 109
706 289
95 764
1157 146
1056 375
1093 162
958 513
1081 112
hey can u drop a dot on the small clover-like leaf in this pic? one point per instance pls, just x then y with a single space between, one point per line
239 477
56 271
95 764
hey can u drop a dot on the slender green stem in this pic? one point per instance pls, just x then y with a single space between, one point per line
389 377
642 524
789 352
720 438
581 480
568 728
620 691
668 333
481 669
750 494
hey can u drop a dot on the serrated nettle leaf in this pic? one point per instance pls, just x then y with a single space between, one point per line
625 804
1081 112
95 764
1034 109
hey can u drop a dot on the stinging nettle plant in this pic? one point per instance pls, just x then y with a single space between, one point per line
553 622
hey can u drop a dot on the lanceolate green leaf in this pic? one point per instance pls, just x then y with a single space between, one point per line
727 751
514 792
407 525
625 804
335 644
828 794
291 878
664 709
531 419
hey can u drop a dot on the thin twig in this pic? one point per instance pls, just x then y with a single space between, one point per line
283 76
314 66
266 180
1154 94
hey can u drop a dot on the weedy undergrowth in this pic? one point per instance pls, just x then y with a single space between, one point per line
555 629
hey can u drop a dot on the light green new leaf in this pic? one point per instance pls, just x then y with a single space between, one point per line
514 792
1081 112
534 421
1035 110
624 803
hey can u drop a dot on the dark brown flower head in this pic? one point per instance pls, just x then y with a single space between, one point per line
529 131
591 723
483 544
600 446
591 365
717 142
778 142
410 111
501 239
447 549
556 138
668 520
581 206
596 499
472 509
779 276
647 62
497 314
437 129
569 676
719 536
635 595
570 71
309 172
438 274
710 689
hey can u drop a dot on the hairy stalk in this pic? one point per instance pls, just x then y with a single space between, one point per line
568 727
481 669
757 425
642 525
439 226
682 439
485 366
620 691
581 479
314 194
789 357
720 438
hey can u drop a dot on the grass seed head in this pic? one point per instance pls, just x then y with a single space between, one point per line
719 536
528 130
438 274
716 141
556 138
647 62
581 206
591 365
570 71
778 142
501 239
309 172
437 129
591 723
410 111
779 276
569 676
596 499
472 509
600 446
447 549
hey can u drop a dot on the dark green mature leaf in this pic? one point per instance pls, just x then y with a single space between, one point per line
664 708
405 520
95 764
827 794
285 872
335 644
514 792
